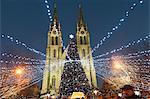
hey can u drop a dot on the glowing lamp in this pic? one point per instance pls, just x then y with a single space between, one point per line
18 71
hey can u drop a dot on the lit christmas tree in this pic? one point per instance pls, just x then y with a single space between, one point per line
73 78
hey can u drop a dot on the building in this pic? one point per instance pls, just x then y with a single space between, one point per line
55 55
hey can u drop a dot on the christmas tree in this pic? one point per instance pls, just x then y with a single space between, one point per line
73 78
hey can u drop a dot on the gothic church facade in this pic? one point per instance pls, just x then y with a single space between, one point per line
55 55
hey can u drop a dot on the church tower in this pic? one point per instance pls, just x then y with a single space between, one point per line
52 71
84 49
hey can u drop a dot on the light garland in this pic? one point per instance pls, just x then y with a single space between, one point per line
136 71
48 10
116 27
128 56
20 57
22 62
124 47
17 42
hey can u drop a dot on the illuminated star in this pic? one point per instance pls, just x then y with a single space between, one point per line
71 36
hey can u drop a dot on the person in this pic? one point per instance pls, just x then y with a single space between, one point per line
128 92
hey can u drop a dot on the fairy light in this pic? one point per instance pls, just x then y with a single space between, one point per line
141 1
116 27
103 73
20 57
12 39
134 72
35 75
103 40
48 10
124 46
125 57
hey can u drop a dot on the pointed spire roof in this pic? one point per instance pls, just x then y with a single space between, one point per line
81 18
55 17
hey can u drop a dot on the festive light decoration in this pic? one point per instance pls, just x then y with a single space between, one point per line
73 78
128 56
130 73
13 83
124 46
48 10
104 70
126 73
116 27
22 62
20 57
12 39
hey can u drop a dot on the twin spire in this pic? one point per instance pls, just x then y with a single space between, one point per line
80 19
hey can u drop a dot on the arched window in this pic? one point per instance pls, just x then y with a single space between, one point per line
84 40
56 40
52 40
53 81
81 40
83 51
54 53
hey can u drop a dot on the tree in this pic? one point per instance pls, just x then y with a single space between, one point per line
73 78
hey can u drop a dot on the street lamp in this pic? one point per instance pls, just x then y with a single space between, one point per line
18 71
117 64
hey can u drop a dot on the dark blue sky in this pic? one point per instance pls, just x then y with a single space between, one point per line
28 21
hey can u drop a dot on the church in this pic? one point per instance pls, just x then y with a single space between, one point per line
56 55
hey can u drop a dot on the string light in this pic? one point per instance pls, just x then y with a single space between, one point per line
124 47
136 70
37 78
48 10
20 57
128 56
22 62
12 39
141 1
116 27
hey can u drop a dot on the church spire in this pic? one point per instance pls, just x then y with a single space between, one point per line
55 22
55 17
81 19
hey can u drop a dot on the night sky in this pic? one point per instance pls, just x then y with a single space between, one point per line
27 20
